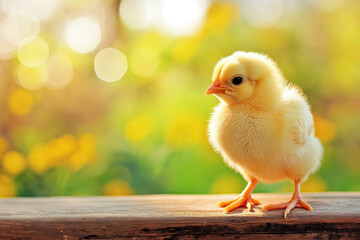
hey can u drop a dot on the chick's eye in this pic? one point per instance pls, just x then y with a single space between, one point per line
237 80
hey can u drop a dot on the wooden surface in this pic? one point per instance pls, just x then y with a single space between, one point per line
335 216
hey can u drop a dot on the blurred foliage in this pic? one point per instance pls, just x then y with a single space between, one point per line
70 133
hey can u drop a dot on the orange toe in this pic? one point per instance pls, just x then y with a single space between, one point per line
288 206
275 206
301 203
241 201
225 203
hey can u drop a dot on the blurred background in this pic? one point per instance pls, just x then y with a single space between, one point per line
107 97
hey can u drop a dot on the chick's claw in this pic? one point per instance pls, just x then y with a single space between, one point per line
241 201
288 206
226 203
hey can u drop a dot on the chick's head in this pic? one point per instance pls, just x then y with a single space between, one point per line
245 76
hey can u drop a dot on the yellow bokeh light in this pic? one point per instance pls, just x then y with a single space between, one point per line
21 102
39 160
60 71
118 187
219 16
31 78
110 64
184 49
226 184
80 158
87 141
32 52
7 186
83 154
186 129
14 162
314 184
83 35
138 128
144 61
324 129
62 147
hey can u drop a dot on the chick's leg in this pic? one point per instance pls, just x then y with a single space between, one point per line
244 199
296 201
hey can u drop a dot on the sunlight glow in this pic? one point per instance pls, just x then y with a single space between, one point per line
39 9
7 49
137 14
172 17
110 64
17 28
83 35
179 18
263 13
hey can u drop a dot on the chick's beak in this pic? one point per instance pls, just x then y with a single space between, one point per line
215 87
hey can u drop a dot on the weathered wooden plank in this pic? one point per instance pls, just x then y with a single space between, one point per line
335 215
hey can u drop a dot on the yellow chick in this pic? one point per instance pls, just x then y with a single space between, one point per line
263 127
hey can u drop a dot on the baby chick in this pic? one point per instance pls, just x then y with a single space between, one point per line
263 127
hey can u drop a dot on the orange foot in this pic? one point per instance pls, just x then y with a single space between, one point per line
296 201
241 201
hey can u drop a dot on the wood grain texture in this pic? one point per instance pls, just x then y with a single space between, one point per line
335 216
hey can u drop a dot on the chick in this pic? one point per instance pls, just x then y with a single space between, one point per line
263 127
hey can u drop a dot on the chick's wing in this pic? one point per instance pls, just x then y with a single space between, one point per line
298 117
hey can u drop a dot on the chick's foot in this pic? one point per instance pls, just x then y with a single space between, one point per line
244 200
296 201
241 201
